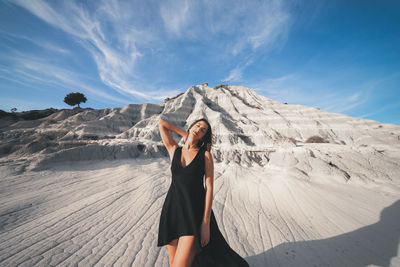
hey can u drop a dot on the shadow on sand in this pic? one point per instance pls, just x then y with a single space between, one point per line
374 244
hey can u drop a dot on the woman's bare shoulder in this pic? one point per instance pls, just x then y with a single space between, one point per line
208 155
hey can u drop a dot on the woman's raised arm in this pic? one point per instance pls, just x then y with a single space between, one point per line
165 129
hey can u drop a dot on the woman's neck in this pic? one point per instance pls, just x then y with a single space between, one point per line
190 145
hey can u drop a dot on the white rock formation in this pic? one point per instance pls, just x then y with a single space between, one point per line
278 202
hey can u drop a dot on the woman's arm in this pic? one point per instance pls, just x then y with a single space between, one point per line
209 177
165 128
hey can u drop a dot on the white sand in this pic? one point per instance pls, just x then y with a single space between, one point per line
277 204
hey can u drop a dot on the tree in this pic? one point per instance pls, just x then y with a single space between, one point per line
73 99
13 110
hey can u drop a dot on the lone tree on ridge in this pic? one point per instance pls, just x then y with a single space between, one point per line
73 99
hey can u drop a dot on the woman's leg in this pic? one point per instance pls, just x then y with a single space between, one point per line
171 250
185 252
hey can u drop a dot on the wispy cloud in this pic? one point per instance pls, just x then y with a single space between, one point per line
103 33
381 110
250 27
175 15
293 89
271 25
32 69
39 43
52 47
342 103
245 24
236 74
119 34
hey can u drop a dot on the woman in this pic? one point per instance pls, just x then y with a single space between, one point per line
187 222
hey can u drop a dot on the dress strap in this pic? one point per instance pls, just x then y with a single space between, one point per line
175 155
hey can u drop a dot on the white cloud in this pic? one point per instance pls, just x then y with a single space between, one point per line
243 24
293 89
380 110
175 14
40 43
52 47
270 26
118 34
243 29
33 69
67 79
341 104
235 75
114 51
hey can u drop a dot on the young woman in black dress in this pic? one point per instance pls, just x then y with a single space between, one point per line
187 222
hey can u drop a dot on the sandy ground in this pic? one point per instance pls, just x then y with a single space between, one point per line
107 213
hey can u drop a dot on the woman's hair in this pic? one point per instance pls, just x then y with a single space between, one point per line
206 141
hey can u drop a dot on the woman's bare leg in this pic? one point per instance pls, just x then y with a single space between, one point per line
171 250
185 252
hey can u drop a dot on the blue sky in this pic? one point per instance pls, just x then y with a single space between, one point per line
339 56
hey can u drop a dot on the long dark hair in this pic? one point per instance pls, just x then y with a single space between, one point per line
206 141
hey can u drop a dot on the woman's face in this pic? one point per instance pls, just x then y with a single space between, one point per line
198 130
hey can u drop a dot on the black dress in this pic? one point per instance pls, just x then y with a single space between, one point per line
183 211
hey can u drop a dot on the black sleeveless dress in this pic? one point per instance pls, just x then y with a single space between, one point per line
183 211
